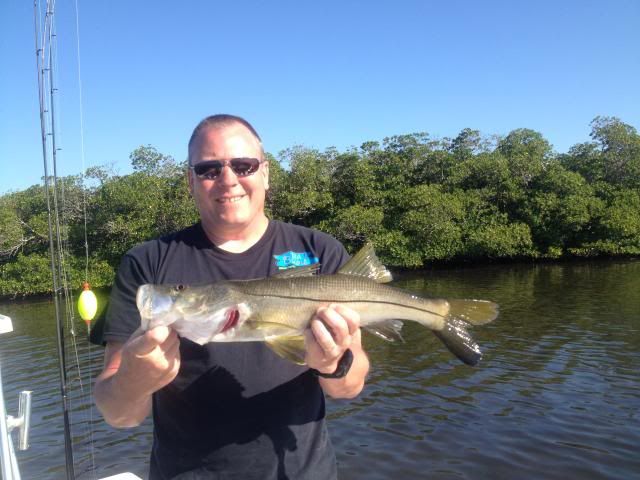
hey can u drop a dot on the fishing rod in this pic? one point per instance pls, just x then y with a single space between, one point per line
41 51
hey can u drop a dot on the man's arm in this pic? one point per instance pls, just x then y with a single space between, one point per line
132 372
335 329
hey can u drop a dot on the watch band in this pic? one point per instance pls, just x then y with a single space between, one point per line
344 364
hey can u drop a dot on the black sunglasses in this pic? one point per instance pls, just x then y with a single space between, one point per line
211 169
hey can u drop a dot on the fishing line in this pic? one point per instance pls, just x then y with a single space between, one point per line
41 56
82 153
84 214
68 205
57 201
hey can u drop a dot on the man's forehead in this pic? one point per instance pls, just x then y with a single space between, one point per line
234 137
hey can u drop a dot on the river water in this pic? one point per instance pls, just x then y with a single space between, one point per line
556 396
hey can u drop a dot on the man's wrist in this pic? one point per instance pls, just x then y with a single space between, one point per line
344 364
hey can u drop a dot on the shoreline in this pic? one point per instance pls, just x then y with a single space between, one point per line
397 272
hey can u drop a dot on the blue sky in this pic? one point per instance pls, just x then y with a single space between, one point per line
319 74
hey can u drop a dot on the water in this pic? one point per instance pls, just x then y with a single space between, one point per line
556 396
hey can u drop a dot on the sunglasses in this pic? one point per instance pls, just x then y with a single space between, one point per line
212 169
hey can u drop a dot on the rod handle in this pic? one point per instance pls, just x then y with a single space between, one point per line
24 411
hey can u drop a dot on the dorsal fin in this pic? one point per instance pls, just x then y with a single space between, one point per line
365 263
305 271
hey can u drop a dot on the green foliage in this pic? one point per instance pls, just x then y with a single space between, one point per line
147 159
121 212
526 153
613 156
431 219
618 225
490 233
419 201
26 275
130 209
31 274
305 197
620 147
354 182
500 240
394 248
355 224
561 208
467 144
277 183
12 238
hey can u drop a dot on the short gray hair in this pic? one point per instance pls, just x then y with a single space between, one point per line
218 121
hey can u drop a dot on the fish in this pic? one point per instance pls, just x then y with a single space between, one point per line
279 308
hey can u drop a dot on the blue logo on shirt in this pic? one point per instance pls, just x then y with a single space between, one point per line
294 259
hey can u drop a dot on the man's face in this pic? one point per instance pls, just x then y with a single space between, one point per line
229 204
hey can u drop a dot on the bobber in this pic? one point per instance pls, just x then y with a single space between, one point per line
87 304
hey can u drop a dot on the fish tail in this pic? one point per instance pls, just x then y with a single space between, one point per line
462 314
458 340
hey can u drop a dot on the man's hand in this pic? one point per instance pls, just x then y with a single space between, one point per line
150 360
133 371
333 330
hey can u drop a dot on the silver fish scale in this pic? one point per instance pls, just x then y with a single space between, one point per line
337 288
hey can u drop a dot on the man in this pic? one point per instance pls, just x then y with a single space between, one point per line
228 410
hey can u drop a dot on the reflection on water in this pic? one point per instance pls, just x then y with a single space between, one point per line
556 395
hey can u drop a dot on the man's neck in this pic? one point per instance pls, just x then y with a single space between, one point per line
240 240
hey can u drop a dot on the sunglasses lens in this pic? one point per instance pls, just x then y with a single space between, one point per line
209 170
244 166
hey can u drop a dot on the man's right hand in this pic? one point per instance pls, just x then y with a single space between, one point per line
133 371
149 360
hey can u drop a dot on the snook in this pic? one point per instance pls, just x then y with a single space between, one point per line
278 309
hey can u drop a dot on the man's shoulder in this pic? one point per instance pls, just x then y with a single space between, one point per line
305 232
303 246
186 236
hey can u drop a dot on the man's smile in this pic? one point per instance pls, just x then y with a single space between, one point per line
233 199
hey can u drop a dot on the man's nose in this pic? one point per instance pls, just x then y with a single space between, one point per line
227 176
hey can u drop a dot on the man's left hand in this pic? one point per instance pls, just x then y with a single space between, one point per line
333 330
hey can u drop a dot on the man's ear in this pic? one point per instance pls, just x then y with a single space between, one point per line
265 175
189 180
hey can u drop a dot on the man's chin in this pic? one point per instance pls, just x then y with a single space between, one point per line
228 221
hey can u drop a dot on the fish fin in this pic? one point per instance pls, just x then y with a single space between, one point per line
459 342
388 330
291 348
365 263
305 271
475 312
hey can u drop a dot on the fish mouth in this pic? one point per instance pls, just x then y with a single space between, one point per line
152 304
144 302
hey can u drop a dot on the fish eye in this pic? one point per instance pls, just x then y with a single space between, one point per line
179 288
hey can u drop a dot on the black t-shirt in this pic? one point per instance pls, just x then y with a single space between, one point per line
235 410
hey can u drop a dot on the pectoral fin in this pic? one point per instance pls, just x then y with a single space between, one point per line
289 347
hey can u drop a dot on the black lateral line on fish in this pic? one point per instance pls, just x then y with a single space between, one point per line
288 297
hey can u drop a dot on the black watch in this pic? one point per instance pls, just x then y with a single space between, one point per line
344 364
